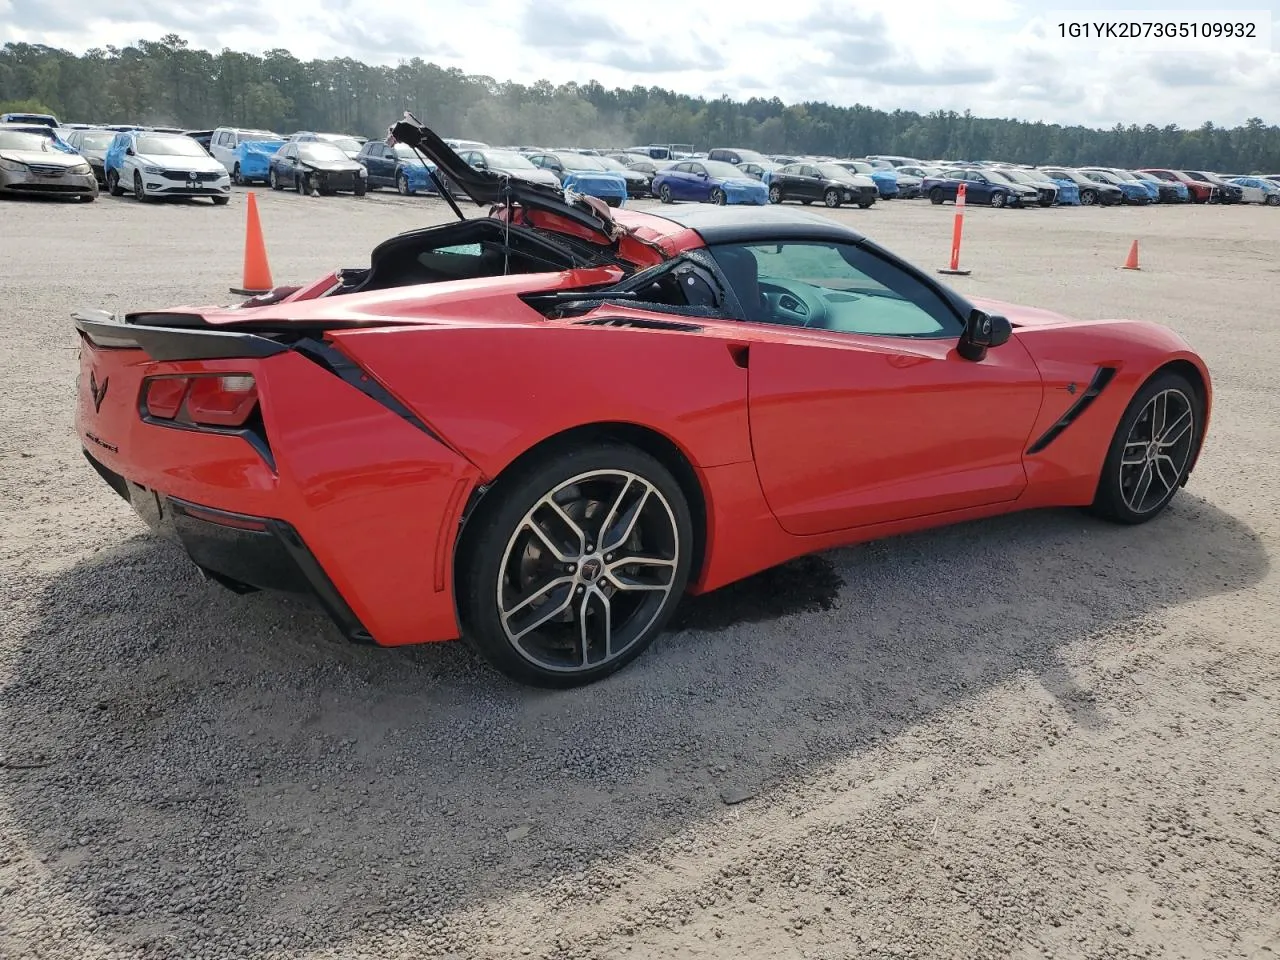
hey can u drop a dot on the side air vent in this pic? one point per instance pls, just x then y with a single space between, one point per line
639 323
1101 378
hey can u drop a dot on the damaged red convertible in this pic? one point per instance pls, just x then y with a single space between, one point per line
540 427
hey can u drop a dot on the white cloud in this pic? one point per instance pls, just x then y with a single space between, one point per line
989 57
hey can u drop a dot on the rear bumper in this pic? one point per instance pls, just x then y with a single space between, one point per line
242 552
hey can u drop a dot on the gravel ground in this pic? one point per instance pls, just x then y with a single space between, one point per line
1039 736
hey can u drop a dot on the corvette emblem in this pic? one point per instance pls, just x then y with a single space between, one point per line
97 390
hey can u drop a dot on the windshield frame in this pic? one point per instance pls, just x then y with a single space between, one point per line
40 142
306 146
504 158
152 140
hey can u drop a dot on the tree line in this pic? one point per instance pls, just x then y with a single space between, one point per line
167 83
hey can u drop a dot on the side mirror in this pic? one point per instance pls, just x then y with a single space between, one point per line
981 332
128 152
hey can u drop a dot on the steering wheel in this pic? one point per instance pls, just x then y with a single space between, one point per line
797 304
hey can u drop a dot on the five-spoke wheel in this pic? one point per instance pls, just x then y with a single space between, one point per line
1152 451
576 566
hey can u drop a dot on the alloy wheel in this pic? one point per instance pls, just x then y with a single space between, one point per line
1157 451
588 570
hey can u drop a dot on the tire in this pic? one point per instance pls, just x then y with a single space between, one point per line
274 180
865 204
1273 201
500 551
235 176
299 186
806 202
831 198
1088 198
718 197
139 191
935 196
361 188
88 197
998 200
220 201
775 194
113 184
1169 409
664 193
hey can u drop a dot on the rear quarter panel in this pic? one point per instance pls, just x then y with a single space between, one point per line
495 391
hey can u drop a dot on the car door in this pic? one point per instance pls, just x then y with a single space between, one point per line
977 188
699 182
366 158
872 416
809 183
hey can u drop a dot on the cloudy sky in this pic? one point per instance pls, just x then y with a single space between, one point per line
995 57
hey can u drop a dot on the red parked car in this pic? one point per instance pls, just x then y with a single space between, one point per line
540 427
1201 192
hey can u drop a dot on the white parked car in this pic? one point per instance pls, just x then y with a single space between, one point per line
154 165
244 152
1259 190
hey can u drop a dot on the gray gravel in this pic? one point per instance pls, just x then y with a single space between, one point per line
1039 736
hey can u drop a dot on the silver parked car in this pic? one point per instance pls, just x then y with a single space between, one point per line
31 164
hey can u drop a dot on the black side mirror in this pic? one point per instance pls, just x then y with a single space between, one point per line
981 332
128 151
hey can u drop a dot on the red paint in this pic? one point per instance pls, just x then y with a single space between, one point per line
1200 191
800 440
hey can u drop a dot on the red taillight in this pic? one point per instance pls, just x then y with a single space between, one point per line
164 396
214 400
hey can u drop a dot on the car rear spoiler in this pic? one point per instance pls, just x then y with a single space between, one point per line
106 331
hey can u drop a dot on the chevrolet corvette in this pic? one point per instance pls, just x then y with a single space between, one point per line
538 427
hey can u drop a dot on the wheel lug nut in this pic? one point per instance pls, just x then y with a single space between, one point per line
609 558
572 568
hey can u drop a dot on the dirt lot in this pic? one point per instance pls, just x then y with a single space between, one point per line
1040 736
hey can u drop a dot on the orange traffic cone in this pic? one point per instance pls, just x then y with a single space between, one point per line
257 272
1131 261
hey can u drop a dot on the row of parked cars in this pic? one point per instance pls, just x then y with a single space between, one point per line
152 162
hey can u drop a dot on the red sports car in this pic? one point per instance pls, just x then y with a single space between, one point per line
538 428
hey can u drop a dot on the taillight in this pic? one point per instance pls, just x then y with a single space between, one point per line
215 400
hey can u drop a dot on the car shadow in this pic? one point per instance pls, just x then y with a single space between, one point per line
184 760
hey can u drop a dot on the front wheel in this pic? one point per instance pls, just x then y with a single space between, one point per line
402 184
1088 198
113 184
1152 450
998 200
361 188
300 185
831 198
664 193
775 194
274 180
718 197
572 567
1273 201
865 204
139 191
220 201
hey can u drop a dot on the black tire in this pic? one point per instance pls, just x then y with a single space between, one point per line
1273 200
998 199
139 191
88 197
718 197
236 178
501 558
1088 197
299 185
361 188
831 198
1117 498
806 202
220 201
664 193
113 184
274 180
775 194
402 184
865 204
935 196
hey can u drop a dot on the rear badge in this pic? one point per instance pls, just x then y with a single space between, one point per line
97 390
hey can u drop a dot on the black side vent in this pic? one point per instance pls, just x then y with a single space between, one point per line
641 323
1101 378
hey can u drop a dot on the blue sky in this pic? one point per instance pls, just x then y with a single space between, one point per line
989 56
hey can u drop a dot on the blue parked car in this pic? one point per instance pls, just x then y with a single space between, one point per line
398 167
1167 191
582 174
886 181
709 181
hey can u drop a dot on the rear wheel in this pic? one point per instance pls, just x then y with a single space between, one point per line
575 564
236 178
1152 450
1273 200
831 198
935 195
113 184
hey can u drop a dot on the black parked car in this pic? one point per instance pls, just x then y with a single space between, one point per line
1227 192
828 182
315 167
639 183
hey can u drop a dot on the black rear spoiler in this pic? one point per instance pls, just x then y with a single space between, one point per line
105 330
